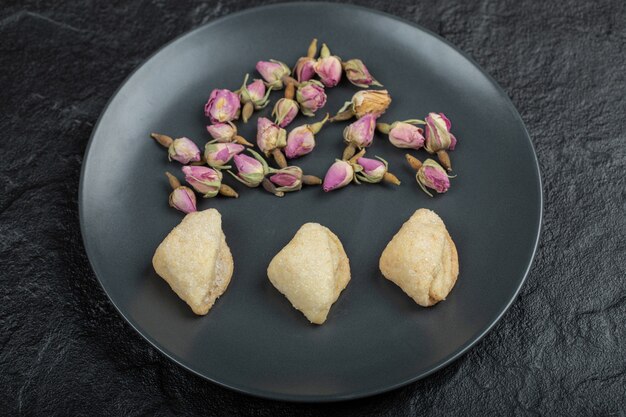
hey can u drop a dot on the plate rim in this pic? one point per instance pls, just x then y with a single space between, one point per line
323 398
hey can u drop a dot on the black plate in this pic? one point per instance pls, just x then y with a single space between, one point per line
376 338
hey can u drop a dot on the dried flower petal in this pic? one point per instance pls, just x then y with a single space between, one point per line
250 171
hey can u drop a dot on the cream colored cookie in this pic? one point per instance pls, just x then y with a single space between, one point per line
422 259
195 260
311 271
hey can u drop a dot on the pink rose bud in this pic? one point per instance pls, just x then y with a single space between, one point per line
287 179
301 140
270 136
360 133
250 171
439 139
438 136
305 66
222 132
285 111
204 180
328 67
217 155
223 106
357 74
272 72
403 134
254 96
311 97
304 69
373 170
183 198
340 174
184 151
432 175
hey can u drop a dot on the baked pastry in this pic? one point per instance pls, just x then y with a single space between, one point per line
195 260
311 271
422 259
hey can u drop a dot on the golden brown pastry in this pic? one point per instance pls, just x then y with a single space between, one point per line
195 260
311 271
422 259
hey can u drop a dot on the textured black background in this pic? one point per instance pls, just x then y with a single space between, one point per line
561 348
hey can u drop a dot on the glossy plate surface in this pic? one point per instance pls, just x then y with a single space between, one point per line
376 338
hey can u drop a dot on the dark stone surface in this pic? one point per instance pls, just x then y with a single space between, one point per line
560 349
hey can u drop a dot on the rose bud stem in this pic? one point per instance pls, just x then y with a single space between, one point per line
241 140
163 140
247 111
311 180
414 162
344 115
312 49
174 183
271 188
383 128
349 152
290 90
279 157
360 154
391 179
287 79
227 191
444 158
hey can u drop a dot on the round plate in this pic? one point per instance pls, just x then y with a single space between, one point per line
376 338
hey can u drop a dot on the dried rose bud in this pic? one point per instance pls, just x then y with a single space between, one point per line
287 179
285 111
305 66
375 171
311 97
364 102
438 137
254 96
205 180
328 67
181 198
271 139
357 74
184 151
340 174
225 133
430 174
301 140
217 155
403 134
223 106
272 72
250 171
359 134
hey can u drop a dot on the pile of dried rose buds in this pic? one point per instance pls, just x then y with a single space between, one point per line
305 92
